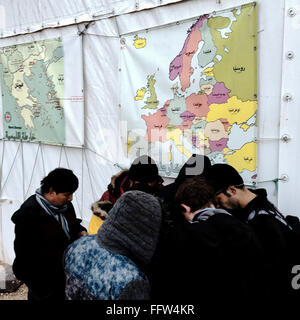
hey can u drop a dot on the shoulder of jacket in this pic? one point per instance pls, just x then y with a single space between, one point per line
29 210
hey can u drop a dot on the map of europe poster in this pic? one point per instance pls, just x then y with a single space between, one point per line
191 87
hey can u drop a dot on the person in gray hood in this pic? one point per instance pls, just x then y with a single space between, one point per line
110 265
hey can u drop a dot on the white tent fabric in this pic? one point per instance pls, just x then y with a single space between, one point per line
100 24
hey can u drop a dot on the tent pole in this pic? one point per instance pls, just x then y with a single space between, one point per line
1 237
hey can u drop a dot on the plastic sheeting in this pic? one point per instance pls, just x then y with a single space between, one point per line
25 164
33 15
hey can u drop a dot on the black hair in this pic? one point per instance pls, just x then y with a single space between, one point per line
60 180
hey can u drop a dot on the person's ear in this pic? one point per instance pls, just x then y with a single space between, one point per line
186 208
187 213
231 190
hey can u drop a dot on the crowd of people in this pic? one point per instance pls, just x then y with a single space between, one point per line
205 238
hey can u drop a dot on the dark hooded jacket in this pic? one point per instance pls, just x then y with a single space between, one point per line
281 245
215 261
110 265
39 246
118 185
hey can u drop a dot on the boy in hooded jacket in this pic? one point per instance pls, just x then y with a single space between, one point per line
111 264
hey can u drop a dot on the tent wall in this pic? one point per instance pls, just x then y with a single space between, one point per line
25 164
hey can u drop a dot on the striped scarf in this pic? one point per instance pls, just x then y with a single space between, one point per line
205 214
55 212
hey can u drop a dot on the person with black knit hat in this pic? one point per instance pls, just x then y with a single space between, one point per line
111 264
143 175
281 244
229 187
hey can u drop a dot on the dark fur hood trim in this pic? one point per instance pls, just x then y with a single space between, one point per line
119 176
101 208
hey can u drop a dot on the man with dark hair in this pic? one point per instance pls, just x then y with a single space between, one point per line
211 257
45 225
280 242
229 187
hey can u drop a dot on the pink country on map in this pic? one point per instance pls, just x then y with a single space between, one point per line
156 126
197 104
181 65
225 123
219 94
195 141
187 116
164 108
185 125
218 146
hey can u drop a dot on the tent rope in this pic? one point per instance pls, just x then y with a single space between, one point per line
43 162
89 173
33 169
76 198
22 166
2 162
275 181
82 177
115 164
12 165
86 26
60 155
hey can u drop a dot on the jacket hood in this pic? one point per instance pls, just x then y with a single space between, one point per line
119 184
132 227
260 202
101 208
260 192
118 178
207 213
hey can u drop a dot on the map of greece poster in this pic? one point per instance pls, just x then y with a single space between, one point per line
39 102
191 87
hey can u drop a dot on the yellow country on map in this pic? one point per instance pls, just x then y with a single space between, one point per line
175 134
234 111
209 72
245 127
139 42
140 94
129 144
244 158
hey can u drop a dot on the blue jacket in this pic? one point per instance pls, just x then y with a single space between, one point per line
108 265
118 279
